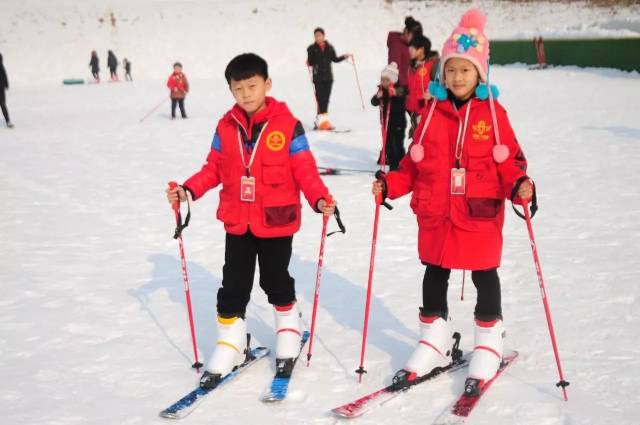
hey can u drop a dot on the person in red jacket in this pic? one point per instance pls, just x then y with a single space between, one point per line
398 45
261 158
463 164
178 88
419 77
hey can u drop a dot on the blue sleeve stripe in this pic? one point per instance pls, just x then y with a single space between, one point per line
215 143
299 144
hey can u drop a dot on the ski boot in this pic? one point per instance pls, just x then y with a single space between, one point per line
288 338
323 123
232 349
487 355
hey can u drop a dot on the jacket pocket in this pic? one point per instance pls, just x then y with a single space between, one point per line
484 207
228 212
274 174
281 210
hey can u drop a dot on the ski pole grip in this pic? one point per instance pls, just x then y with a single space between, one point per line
175 205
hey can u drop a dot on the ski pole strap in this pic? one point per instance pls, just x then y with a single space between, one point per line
534 198
180 226
343 229
381 175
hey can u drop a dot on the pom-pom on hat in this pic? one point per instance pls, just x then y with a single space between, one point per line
469 42
391 72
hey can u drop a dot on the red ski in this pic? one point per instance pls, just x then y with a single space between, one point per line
463 407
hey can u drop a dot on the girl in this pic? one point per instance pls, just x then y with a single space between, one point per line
463 164
419 77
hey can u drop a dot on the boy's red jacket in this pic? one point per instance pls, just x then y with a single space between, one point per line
178 85
418 81
283 166
460 231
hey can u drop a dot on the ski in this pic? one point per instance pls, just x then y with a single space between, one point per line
332 130
457 414
279 387
189 402
364 404
333 171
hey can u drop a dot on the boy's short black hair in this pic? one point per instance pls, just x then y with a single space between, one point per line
245 66
320 30
177 64
421 42
412 26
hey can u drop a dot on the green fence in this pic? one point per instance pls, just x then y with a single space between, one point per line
621 53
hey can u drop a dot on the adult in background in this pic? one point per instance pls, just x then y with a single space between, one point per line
4 85
94 64
398 44
112 63
320 55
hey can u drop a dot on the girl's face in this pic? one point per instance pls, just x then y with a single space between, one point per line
461 77
416 53
385 82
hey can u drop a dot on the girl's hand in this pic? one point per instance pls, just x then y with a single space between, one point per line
378 187
525 191
327 209
427 96
379 94
175 194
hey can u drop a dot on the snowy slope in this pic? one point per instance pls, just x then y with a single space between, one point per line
93 326
49 41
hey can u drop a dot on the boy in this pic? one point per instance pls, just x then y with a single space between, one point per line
392 114
319 56
261 157
419 77
179 87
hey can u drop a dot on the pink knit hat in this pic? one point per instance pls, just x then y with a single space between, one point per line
468 41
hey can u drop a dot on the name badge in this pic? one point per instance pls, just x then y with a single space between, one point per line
457 181
247 189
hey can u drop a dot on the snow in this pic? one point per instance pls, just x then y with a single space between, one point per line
93 326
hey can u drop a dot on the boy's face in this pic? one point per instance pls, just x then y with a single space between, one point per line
250 94
416 53
319 37
385 82
177 69
461 77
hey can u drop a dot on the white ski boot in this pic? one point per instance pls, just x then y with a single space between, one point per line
323 123
487 354
432 350
230 351
288 337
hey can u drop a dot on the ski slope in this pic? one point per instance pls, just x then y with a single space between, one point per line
93 326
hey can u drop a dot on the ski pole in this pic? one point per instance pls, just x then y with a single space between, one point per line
355 70
313 86
164 99
316 294
374 239
547 310
178 235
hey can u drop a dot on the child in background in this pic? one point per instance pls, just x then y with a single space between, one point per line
463 164
419 77
94 63
179 87
127 69
261 157
391 100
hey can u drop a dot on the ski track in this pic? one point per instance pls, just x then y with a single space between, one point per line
93 326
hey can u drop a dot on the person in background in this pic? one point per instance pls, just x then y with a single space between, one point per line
179 87
4 85
127 69
398 45
420 74
112 63
320 55
94 63
392 113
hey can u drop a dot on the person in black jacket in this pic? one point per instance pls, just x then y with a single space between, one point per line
112 63
392 114
320 55
4 85
126 63
94 63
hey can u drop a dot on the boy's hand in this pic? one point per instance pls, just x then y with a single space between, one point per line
379 94
327 208
175 194
525 191
378 187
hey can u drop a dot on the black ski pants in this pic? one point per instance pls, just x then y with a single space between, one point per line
273 255
434 293
3 106
323 93
180 103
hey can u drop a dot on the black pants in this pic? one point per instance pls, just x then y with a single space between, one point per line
96 75
323 93
114 74
179 102
239 268
434 293
3 106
